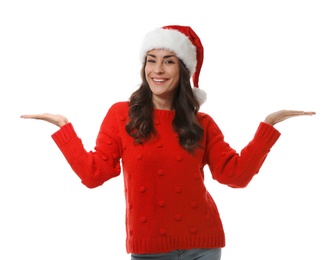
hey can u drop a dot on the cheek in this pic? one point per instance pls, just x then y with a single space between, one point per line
176 72
146 71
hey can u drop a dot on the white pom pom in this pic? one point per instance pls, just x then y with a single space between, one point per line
200 95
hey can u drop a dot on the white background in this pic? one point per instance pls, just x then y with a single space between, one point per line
79 57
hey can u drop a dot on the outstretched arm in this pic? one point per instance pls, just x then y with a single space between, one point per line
237 169
93 167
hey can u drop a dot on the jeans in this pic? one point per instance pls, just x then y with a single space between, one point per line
193 254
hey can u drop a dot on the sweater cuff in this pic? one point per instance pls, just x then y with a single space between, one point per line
268 133
64 134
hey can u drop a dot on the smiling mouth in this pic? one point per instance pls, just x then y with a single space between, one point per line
159 80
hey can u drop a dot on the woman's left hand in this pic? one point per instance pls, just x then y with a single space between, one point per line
284 114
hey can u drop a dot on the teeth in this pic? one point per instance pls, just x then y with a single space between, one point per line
158 80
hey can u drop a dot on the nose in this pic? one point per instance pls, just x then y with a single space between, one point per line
159 68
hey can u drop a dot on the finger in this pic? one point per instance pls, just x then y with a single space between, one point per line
300 113
27 116
311 113
304 113
36 116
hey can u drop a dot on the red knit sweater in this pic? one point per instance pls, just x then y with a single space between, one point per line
167 204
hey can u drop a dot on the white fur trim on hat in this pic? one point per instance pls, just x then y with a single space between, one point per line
171 40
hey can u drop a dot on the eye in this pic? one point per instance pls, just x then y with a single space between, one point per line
150 61
170 61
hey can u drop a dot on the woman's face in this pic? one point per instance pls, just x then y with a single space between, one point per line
162 72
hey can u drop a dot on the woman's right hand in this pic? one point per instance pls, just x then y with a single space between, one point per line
58 120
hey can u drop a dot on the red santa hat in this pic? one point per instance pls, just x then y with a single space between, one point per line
187 46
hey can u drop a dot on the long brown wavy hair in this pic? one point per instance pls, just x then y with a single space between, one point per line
185 123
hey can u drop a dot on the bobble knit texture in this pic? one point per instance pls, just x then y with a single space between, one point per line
167 204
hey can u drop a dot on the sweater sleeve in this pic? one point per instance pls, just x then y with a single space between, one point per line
237 169
96 166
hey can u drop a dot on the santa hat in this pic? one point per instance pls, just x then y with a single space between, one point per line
187 46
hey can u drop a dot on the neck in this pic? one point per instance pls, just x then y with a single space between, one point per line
162 104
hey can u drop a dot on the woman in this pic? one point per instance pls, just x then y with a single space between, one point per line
161 143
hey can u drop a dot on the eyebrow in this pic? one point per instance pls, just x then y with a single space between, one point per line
165 57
